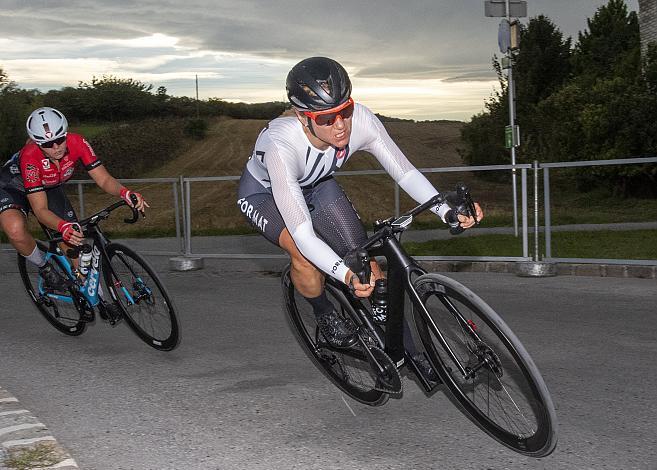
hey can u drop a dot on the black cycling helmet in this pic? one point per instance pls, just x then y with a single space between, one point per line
317 84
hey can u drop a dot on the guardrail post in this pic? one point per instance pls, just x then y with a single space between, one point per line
525 241
536 211
176 214
188 217
81 200
546 203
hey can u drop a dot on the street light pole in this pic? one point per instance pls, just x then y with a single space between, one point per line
508 42
512 118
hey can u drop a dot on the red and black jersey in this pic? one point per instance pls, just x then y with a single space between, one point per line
39 172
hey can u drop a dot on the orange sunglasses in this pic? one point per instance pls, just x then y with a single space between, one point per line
328 117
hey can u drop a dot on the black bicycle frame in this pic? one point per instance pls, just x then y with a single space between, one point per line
402 270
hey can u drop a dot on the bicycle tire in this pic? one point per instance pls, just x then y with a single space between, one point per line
69 322
147 308
348 369
506 397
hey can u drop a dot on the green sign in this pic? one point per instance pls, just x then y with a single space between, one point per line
511 136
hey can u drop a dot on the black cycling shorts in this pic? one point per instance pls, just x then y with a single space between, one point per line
334 218
58 202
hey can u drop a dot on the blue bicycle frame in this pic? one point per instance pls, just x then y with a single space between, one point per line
89 288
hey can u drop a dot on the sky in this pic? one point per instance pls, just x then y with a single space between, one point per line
416 59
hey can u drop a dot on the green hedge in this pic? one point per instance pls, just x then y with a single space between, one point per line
129 150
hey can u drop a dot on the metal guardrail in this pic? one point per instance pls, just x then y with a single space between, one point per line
175 182
462 169
548 216
183 210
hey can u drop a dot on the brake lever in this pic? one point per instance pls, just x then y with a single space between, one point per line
134 200
467 208
359 263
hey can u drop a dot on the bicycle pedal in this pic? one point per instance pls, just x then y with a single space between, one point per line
110 312
87 316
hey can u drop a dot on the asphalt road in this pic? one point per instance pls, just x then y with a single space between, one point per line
239 393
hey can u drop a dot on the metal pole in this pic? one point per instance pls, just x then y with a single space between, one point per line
525 241
81 200
176 214
536 211
197 104
396 200
546 203
188 214
512 112
184 213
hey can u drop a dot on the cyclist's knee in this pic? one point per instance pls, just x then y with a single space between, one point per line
13 225
300 263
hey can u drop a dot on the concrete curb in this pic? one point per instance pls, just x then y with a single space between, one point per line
563 269
21 432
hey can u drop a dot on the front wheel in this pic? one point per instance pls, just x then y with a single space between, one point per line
59 308
349 369
485 366
146 306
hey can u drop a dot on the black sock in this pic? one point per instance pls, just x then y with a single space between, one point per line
321 304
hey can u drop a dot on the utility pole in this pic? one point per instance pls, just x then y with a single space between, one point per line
197 103
508 39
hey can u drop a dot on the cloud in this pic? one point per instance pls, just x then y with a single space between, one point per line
247 46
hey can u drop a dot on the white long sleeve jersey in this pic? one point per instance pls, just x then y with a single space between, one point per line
285 161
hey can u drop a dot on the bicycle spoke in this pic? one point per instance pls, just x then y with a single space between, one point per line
57 307
349 369
147 308
493 376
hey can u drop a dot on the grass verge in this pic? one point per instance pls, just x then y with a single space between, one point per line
608 244
39 456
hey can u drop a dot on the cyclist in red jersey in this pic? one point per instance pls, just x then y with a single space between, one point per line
33 180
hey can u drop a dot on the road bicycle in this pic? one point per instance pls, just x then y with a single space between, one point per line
477 357
135 292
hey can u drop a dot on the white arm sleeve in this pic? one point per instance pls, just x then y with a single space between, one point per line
318 252
393 160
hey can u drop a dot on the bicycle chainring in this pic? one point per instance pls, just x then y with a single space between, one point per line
388 379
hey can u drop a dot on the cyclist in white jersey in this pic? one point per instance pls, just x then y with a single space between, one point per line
288 193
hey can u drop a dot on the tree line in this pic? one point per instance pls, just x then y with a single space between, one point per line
594 100
112 99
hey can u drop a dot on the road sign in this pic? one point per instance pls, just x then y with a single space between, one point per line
511 136
497 8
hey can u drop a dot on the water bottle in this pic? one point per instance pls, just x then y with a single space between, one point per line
85 259
379 301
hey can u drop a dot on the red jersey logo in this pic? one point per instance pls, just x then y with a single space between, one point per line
31 174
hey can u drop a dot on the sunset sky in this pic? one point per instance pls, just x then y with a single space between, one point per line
420 59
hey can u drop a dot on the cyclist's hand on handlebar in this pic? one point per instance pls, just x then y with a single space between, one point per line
467 222
141 203
359 289
71 232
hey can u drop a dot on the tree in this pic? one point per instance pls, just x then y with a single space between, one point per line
110 98
608 109
542 65
15 106
602 51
